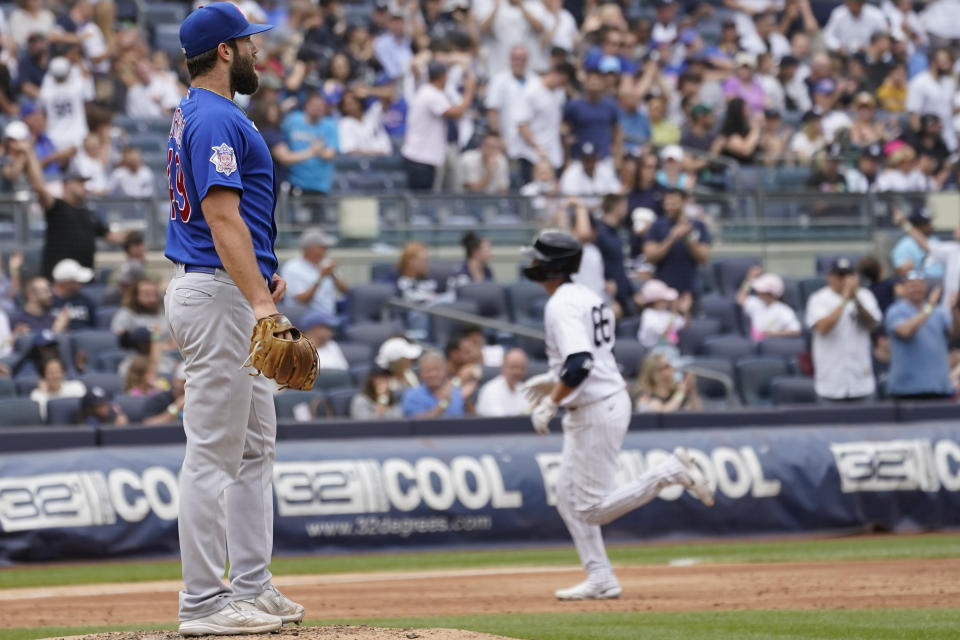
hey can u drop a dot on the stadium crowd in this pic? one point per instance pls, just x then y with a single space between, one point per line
611 117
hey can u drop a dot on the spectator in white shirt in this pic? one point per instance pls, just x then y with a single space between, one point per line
932 91
901 173
6 335
904 22
131 177
503 395
91 162
319 327
425 143
392 48
52 385
588 178
591 272
544 194
539 118
806 142
361 133
850 26
841 316
312 279
665 313
155 94
64 93
503 99
769 316
485 170
31 17
511 22
559 31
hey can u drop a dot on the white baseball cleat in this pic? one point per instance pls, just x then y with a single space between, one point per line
587 590
272 602
234 619
695 480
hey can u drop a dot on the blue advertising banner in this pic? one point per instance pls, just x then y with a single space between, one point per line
355 494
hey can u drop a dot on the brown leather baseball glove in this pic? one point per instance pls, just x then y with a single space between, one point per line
291 362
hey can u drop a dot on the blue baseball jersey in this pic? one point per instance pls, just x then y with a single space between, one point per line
213 142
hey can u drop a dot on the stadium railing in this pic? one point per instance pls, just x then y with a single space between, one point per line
364 219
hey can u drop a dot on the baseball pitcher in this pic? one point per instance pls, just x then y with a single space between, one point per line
221 309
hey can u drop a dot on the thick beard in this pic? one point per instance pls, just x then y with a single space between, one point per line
243 76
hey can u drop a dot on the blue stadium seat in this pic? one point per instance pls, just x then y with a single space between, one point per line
807 287
729 346
726 310
489 296
629 354
372 333
108 360
696 332
525 300
786 347
786 390
356 353
287 400
628 327
383 272
339 400
332 379
753 378
730 272
112 383
442 271
359 373
26 384
366 301
712 390
135 407
19 412
7 387
63 410
104 316
92 341
441 328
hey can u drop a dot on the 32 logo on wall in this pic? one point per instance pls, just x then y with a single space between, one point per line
86 498
898 465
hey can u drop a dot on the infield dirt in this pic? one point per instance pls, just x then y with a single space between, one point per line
879 584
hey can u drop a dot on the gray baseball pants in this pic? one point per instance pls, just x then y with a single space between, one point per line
226 483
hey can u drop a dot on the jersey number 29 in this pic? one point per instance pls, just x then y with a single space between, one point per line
602 325
177 188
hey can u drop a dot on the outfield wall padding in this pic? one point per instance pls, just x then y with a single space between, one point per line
446 490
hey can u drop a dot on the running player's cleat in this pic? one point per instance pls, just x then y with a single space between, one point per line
694 480
587 590
273 602
234 619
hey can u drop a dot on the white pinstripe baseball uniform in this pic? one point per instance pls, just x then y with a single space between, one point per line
597 416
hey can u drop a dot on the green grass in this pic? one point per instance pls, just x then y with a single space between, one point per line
800 550
911 624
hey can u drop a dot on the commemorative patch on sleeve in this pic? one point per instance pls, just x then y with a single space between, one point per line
224 159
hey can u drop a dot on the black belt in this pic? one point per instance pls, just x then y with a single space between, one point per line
193 268
187 268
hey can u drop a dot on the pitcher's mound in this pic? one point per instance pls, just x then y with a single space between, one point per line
333 632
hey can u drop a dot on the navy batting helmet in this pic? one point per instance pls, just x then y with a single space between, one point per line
555 254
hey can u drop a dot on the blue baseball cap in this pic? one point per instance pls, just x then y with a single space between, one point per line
212 24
